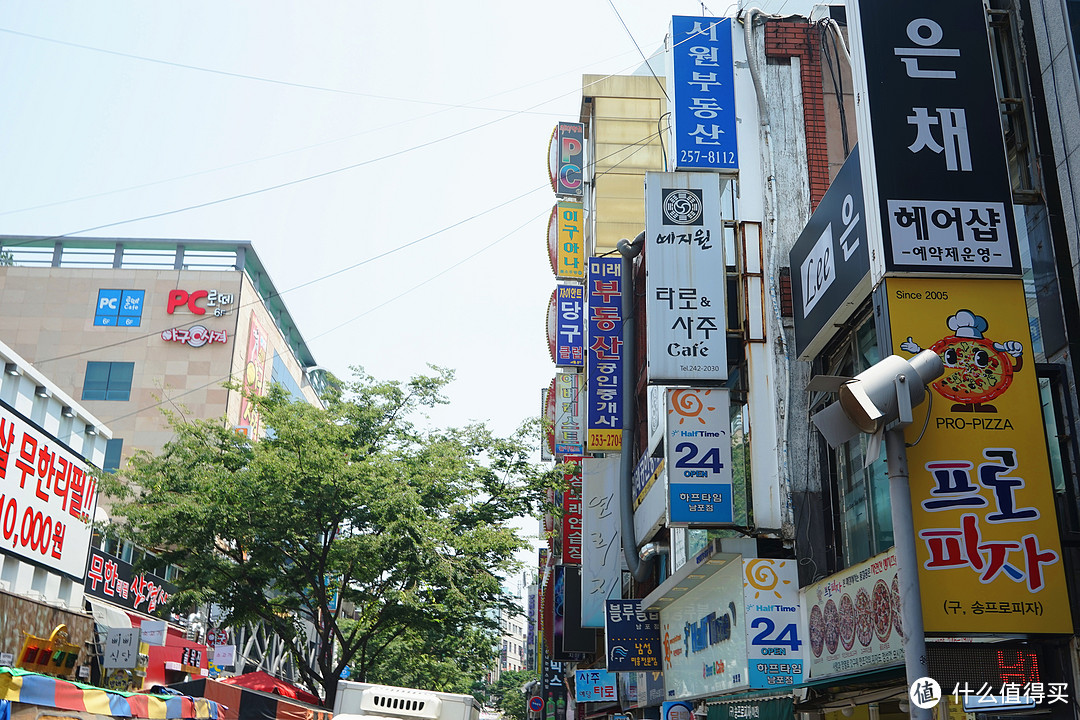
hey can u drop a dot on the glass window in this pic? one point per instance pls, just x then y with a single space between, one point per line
108 381
113 450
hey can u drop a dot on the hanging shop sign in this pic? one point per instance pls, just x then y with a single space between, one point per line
594 685
774 645
753 709
632 634
212 299
698 451
601 535
981 489
572 642
47 497
936 179
569 433
852 619
605 355
684 278
195 336
119 308
110 578
571 511
547 411
570 231
566 326
830 262
701 85
121 651
646 472
566 159
553 690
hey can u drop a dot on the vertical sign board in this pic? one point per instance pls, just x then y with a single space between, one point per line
698 453
684 278
632 635
981 490
701 84
567 159
774 646
600 575
570 251
605 355
47 497
254 380
569 434
566 326
830 262
934 167
571 511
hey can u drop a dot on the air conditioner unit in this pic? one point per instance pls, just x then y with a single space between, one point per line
5 585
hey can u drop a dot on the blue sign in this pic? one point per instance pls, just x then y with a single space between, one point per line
632 636
536 703
702 91
595 685
119 308
570 326
676 710
604 412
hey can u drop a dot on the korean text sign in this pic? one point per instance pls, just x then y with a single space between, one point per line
570 251
600 575
595 685
632 636
110 578
119 308
684 278
698 454
852 619
938 163
981 490
774 645
121 649
47 497
569 434
701 83
569 311
605 354
570 159
571 516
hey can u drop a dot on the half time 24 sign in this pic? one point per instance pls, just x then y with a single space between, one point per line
698 454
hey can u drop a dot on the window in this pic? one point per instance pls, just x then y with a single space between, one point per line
113 450
108 381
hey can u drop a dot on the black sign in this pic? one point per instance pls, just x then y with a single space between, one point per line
110 578
944 191
633 636
830 261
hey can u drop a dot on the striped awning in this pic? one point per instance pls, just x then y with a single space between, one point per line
34 689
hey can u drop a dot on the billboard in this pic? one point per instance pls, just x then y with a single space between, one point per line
632 634
684 278
981 490
571 511
566 159
701 85
570 234
698 451
605 355
254 378
569 433
110 578
601 536
47 496
774 647
566 326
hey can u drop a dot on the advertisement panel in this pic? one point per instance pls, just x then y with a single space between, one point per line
646 472
568 332
981 490
632 635
570 250
704 639
698 446
830 262
569 434
605 354
852 619
934 164
600 576
595 685
112 579
566 159
774 646
254 380
119 308
571 511
701 85
47 497
684 278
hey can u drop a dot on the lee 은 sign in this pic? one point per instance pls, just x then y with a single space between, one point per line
698 454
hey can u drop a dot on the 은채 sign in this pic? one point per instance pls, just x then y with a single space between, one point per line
698 456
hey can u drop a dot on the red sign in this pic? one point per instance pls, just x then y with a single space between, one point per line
217 637
182 298
571 520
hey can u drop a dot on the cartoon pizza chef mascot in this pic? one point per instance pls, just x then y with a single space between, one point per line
977 370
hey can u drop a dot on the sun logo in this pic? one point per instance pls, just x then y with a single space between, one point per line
761 575
689 404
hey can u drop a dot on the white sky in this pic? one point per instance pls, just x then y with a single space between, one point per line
91 136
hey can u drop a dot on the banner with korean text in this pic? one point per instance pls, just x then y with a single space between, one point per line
47 497
774 646
566 326
569 433
698 448
571 510
981 490
632 635
605 354
600 575
570 233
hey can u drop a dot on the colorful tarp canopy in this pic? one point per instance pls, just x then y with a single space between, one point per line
34 689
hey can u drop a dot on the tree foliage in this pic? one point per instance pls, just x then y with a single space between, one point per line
507 696
410 529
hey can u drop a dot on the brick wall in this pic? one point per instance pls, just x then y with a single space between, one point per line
798 38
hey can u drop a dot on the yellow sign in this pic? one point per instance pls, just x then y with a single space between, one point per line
54 655
981 491
570 252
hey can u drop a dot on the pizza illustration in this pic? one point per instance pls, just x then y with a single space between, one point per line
881 602
847 622
832 626
977 369
817 631
898 621
864 618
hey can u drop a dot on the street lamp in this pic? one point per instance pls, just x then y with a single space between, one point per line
867 403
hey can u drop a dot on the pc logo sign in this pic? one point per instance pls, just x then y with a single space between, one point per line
119 308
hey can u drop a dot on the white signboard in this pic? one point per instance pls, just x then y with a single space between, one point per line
698 454
225 655
703 638
600 576
774 643
569 403
121 649
153 632
684 278
47 497
853 619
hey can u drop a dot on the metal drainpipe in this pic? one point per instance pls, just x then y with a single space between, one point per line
638 568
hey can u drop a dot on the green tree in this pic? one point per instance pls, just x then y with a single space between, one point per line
506 694
410 529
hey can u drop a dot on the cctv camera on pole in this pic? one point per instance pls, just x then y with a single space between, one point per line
868 403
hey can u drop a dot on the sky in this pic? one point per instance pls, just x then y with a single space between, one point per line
388 160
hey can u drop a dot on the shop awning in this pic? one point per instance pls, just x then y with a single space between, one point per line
752 708
34 689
